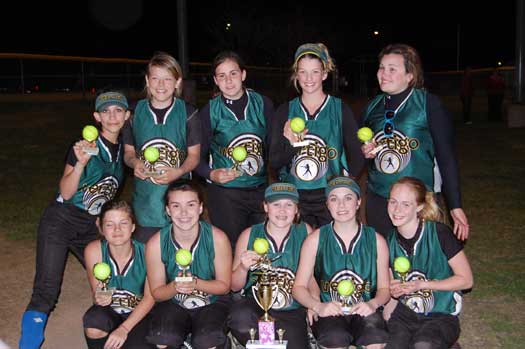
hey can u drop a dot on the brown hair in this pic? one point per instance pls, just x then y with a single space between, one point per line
183 185
164 60
431 210
412 61
117 205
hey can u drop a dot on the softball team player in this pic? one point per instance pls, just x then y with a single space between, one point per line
345 249
235 117
285 238
330 129
417 136
68 223
199 306
166 122
119 320
428 303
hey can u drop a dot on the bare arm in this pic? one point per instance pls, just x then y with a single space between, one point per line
223 266
71 176
131 159
156 272
242 261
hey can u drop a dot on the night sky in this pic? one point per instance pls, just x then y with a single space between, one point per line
265 32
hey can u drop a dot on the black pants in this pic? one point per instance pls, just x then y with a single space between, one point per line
62 228
467 104
245 314
408 329
495 104
233 209
171 323
312 206
107 320
343 331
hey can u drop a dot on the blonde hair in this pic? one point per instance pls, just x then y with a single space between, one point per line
164 60
431 210
313 51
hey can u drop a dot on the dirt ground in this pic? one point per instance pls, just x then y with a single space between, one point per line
17 267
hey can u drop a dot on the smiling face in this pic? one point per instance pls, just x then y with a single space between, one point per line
117 227
343 204
281 213
229 78
392 75
184 208
161 84
310 74
112 120
403 207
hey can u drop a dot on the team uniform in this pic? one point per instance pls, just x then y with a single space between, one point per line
171 130
421 145
128 285
226 124
288 313
331 131
69 225
426 315
334 263
203 315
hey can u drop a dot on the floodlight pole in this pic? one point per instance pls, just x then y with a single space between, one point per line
189 87
520 38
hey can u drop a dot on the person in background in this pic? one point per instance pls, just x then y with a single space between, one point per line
416 135
425 305
466 92
235 117
69 222
333 148
168 123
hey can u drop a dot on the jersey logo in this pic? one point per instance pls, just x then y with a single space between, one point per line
396 152
124 301
284 278
421 301
254 147
194 300
98 194
169 155
311 162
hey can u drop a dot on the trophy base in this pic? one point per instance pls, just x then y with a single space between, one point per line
153 173
377 149
301 144
347 310
93 151
105 293
183 279
256 344
266 332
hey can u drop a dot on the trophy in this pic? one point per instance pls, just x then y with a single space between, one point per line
265 293
298 125
365 135
239 154
183 258
402 266
345 288
90 134
102 272
151 155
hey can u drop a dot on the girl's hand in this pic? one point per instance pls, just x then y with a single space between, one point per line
367 148
290 135
223 175
248 258
329 309
81 155
186 287
363 309
117 338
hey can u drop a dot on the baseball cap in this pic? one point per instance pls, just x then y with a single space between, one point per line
110 98
342 182
313 49
279 191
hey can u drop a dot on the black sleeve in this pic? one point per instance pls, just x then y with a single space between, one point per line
351 144
450 244
71 158
203 168
281 151
193 129
442 131
268 112
127 133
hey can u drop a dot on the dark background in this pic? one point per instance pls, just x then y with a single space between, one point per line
266 32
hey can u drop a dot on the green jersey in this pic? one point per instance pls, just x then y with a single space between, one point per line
409 151
324 157
202 264
428 262
100 180
128 283
169 138
285 266
334 264
229 132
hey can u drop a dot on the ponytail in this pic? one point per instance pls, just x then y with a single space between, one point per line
431 210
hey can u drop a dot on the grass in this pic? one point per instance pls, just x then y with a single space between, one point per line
37 132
